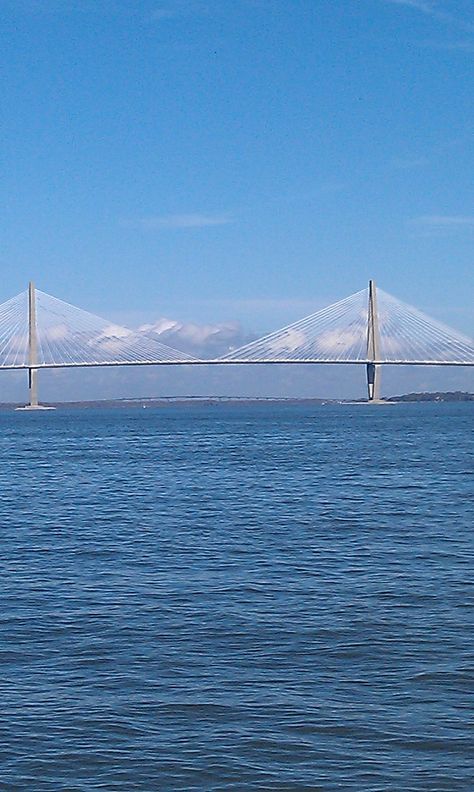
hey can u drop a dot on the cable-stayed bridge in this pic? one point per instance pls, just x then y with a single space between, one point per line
369 328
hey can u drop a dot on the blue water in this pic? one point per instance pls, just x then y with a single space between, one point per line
237 598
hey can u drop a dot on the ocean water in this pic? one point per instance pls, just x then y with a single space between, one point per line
250 597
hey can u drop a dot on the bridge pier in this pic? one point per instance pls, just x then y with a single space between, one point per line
373 382
33 403
33 387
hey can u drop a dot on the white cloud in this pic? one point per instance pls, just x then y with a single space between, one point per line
444 221
409 163
435 10
206 340
57 332
463 46
162 13
114 332
168 9
419 5
345 339
192 220
160 326
290 341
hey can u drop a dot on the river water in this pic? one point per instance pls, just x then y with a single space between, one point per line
248 597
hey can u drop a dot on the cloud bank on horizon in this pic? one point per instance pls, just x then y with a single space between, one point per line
180 221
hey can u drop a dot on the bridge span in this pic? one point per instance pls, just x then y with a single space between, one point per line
369 328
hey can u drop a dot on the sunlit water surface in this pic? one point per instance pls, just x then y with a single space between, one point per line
237 598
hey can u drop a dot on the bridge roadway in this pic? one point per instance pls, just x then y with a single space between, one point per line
243 362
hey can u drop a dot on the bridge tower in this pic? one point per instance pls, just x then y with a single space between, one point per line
33 354
373 346
32 348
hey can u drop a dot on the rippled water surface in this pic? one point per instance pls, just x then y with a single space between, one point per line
237 598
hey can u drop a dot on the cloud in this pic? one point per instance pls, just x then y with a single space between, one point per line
434 10
419 5
444 221
57 332
169 9
162 13
342 339
448 46
270 305
114 331
199 340
288 341
192 220
409 163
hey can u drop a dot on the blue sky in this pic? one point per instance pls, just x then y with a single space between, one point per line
249 160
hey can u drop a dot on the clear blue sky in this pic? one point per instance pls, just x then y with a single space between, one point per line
238 159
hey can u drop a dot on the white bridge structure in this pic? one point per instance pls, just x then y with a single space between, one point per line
370 328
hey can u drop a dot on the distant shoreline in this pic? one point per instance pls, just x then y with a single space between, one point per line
164 401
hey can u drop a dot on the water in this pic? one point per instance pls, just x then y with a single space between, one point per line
237 598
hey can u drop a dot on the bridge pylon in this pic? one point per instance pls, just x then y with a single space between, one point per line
373 347
33 354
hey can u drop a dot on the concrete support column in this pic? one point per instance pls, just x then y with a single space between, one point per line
32 354
373 346
32 347
33 387
373 382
